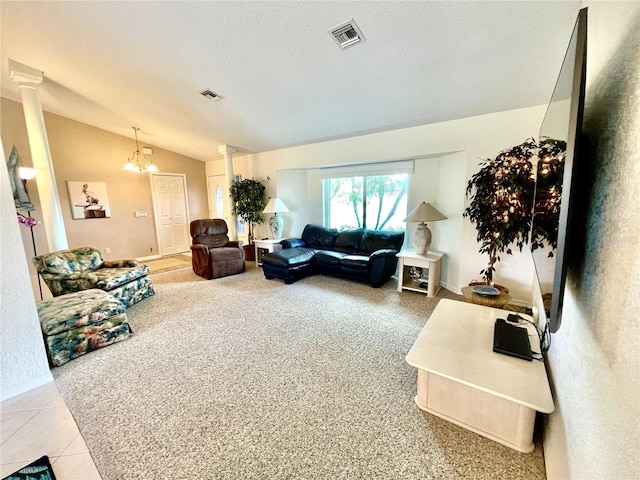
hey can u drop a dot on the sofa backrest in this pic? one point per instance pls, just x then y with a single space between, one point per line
321 238
348 241
352 241
211 232
373 240
65 262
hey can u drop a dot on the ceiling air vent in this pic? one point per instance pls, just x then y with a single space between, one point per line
346 34
211 95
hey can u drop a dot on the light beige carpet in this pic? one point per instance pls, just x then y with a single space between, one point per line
245 378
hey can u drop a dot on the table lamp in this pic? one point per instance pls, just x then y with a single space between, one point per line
276 223
423 213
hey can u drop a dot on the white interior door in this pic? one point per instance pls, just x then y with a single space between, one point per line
217 184
171 213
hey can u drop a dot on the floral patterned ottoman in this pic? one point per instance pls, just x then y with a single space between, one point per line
79 322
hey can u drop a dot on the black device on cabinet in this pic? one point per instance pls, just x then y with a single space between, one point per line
560 134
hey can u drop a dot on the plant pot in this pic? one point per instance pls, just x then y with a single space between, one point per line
249 252
497 301
502 288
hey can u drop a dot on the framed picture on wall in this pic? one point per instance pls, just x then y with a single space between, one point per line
88 200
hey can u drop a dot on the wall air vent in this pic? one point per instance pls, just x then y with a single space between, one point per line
346 34
211 95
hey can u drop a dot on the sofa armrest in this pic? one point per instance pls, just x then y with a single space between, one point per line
292 243
120 263
63 277
60 284
384 252
233 243
382 264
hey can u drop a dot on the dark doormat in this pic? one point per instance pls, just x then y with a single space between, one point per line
38 470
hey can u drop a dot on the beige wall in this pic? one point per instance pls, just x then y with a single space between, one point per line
595 356
84 153
472 139
23 361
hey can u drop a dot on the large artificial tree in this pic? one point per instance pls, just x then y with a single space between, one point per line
501 199
248 197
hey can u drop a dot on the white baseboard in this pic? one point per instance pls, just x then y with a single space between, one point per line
150 257
25 387
155 257
452 289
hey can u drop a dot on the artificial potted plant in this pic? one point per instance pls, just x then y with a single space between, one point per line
501 199
248 197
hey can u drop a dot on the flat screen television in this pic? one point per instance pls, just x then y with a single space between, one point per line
558 161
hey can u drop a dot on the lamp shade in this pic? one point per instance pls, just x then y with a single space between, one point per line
425 212
275 205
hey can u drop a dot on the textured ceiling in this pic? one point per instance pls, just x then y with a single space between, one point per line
284 80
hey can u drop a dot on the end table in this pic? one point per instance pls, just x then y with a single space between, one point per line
429 282
265 246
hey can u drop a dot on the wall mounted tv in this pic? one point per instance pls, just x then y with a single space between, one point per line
556 175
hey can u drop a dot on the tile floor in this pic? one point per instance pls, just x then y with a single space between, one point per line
38 423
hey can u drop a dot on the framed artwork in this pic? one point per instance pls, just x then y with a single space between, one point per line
88 200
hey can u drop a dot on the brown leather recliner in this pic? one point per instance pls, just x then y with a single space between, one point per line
213 255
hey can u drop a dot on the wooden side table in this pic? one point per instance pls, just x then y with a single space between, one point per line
429 283
265 246
461 378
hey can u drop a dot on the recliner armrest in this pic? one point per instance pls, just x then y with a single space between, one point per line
292 243
200 254
233 243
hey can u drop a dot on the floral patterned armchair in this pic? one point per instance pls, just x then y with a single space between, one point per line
83 268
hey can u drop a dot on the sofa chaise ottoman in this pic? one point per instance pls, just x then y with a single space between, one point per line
77 323
289 265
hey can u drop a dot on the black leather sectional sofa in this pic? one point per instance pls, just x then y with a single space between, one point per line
358 254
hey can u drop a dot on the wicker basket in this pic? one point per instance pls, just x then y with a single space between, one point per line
497 301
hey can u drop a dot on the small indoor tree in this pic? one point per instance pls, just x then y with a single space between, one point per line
248 197
501 200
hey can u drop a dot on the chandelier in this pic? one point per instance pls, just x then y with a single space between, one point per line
133 164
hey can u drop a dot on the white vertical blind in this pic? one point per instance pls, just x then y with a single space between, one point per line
369 169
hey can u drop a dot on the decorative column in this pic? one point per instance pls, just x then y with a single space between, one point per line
228 152
29 80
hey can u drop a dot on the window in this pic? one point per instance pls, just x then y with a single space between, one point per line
376 202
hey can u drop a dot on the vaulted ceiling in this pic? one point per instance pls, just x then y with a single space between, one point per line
284 79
